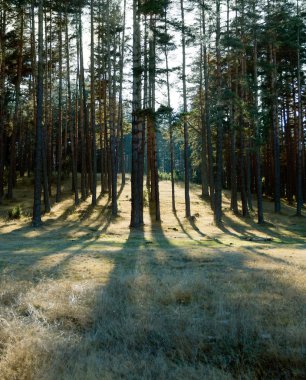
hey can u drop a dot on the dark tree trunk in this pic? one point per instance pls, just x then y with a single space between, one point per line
2 97
93 108
186 142
16 118
218 182
137 132
39 133
70 123
60 116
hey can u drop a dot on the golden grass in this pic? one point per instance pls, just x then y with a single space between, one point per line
86 298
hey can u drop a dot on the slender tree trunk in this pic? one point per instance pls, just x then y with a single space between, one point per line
93 107
39 135
60 115
170 123
299 169
16 118
120 101
50 113
70 122
218 182
277 174
137 133
207 113
260 215
2 95
46 119
204 170
186 143
81 108
232 125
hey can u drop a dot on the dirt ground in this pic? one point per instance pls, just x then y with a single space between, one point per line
86 297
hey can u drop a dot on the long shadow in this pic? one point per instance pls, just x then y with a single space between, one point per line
242 231
182 227
136 332
27 251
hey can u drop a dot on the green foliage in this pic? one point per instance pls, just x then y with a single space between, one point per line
15 212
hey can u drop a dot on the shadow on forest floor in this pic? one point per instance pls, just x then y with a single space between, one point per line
85 297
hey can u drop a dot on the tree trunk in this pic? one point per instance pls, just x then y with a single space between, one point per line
60 115
70 123
2 96
260 216
39 135
16 118
93 107
299 169
186 143
137 133
218 182
170 123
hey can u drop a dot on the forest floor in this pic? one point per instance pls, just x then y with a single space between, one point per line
86 297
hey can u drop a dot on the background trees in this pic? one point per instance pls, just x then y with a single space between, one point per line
238 124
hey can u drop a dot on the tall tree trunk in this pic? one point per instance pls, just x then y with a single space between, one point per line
39 135
299 169
60 115
204 170
16 118
170 121
50 113
260 215
46 114
276 146
186 143
81 108
218 182
232 124
120 101
207 113
93 107
70 122
152 157
2 95
137 133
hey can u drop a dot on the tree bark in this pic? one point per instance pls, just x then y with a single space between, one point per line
39 116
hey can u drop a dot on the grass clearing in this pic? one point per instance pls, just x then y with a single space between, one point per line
85 297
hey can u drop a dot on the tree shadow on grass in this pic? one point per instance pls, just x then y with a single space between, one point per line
155 318
176 311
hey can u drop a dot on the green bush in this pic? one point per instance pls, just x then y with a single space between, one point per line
15 212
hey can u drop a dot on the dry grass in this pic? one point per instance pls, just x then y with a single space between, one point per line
86 298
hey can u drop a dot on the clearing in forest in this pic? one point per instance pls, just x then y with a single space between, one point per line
85 297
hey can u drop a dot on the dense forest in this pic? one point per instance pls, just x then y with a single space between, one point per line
240 123
152 189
